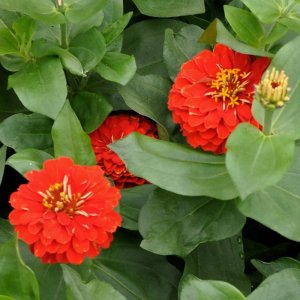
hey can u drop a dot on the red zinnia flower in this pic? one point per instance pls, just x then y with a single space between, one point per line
213 93
65 211
114 128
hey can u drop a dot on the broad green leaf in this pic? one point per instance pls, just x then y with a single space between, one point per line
133 200
280 286
278 207
245 25
41 86
80 10
256 161
117 67
70 140
25 28
112 12
172 224
180 47
220 260
176 168
291 17
91 109
136 273
171 8
6 231
286 119
8 42
267 269
113 30
148 96
17 280
12 63
22 131
216 32
27 160
89 47
2 161
277 32
192 287
42 47
141 38
42 10
77 290
2 297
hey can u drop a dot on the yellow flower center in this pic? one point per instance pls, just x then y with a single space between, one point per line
227 85
59 197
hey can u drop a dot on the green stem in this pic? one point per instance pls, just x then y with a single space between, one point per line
268 121
63 36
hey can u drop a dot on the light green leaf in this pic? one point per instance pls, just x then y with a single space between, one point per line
117 67
22 131
148 96
112 12
2 297
180 47
175 167
192 287
171 8
77 290
220 260
91 109
70 140
256 161
281 202
27 160
280 286
24 28
6 231
172 224
8 42
2 161
41 86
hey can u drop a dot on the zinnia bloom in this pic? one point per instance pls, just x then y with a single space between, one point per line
213 93
65 211
114 128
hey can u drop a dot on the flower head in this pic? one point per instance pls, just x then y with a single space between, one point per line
65 211
272 90
114 128
213 93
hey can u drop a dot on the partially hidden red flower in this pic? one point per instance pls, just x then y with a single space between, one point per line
65 211
213 93
112 129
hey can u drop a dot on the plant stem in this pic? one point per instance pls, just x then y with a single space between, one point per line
63 36
268 121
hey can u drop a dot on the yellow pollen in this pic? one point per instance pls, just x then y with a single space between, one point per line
227 85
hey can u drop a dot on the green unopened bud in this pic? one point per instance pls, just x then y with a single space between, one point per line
272 91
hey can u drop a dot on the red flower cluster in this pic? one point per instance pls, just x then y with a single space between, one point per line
213 93
65 211
114 128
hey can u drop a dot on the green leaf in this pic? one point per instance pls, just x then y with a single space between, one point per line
27 160
69 138
14 273
2 297
280 286
80 10
180 47
175 224
2 161
113 30
192 287
256 161
89 47
245 24
41 86
77 290
117 67
6 231
22 131
8 42
141 38
136 273
112 12
281 202
291 17
171 8
220 260
286 119
216 32
25 28
91 109
267 269
42 10
133 200
148 96
175 167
